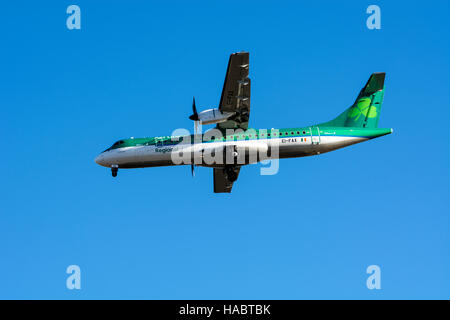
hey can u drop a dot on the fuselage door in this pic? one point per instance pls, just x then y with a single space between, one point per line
315 135
158 143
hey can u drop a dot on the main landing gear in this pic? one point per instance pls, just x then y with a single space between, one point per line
114 170
231 174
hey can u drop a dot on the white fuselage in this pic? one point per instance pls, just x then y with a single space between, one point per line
205 153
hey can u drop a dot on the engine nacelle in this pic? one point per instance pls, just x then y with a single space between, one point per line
214 116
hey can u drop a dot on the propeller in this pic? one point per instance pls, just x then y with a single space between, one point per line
196 119
194 116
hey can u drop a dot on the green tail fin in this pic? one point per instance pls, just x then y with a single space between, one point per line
365 112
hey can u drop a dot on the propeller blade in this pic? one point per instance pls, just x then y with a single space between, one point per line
192 170
194 108
194 115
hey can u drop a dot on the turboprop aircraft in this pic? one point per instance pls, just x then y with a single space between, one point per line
231 144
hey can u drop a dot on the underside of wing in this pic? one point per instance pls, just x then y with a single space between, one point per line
235 96
224 179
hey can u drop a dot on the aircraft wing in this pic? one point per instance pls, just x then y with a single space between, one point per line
236 92
221 182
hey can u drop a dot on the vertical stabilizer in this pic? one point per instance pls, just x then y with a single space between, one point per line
365 112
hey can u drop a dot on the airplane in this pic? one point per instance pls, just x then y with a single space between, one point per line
232 140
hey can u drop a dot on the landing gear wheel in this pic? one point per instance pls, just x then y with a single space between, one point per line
232 176
114 172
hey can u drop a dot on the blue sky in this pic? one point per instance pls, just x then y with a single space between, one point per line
309 231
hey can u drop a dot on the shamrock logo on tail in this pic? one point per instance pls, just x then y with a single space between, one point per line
363 108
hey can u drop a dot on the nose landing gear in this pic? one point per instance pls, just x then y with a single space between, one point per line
114 170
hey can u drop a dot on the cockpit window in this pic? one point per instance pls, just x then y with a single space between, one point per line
117 143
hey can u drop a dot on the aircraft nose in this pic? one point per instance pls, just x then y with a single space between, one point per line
100 159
